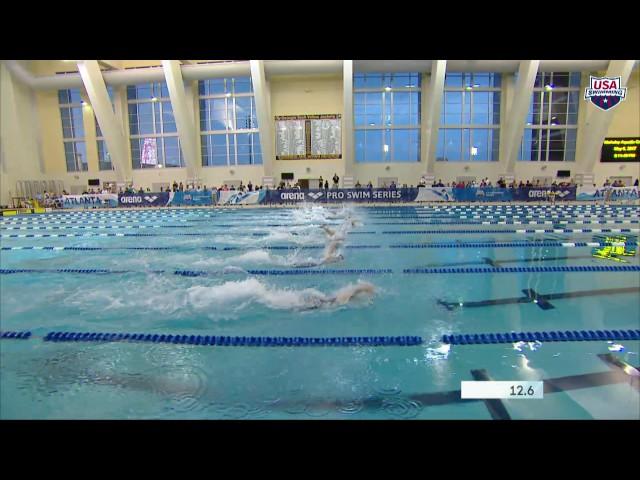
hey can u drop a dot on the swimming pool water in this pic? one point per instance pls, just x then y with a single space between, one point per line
128 380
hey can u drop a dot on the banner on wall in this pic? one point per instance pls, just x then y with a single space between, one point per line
234 197
435 194
598 193
485 194
92 200
532 194
356 195
148 199
195 198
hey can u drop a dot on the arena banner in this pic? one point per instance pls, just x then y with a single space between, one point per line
532 194
234 197
148 199
90 201
598 193
435 194
357 195
192 198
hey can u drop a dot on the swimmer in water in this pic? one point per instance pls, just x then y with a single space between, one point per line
331 255
341 297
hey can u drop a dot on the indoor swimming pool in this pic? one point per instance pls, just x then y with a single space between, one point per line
256 272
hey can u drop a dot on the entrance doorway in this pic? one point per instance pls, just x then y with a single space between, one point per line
304 183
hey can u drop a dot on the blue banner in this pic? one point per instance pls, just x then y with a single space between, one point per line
192 198
482 194
357 195
532 194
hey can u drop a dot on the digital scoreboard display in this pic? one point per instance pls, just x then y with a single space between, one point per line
620 149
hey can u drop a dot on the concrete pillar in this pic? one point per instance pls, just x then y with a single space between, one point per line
263 112
430 112
597 122
111 129
348 150
512 126
184 117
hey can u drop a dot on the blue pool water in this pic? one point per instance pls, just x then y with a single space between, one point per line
140 292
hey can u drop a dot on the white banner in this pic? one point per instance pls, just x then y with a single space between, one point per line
91 200
599 193
234 197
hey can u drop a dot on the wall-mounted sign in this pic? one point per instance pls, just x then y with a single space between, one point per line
624 149
301 137
605 92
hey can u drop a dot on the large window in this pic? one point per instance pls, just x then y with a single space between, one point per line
387 117
104 158
470 118
152 127
228 122
75 148
552 120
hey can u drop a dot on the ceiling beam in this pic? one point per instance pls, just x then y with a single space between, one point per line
512 128
184 120
431 107
111 64
101 103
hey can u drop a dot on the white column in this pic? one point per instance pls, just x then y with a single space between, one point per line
112 131
263 112
597 122
512 127
348 152
183 115
431 107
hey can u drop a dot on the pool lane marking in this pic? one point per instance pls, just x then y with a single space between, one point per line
542 300
621 367
496 407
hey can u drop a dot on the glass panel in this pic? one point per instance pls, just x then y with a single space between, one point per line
242 85
145 118
373 146
171 152
232 151
257 149
453 144
243 113
574 79
440 146
243 145
219 149
453 80
168 119
401 114
479 149
78 124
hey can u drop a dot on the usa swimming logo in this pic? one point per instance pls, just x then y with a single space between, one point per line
605 92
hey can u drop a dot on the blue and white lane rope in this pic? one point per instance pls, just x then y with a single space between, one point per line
405 340
554 336
317 247
459 222
387 232
437 270
522 231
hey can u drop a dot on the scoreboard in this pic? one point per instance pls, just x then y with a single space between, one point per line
623 149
